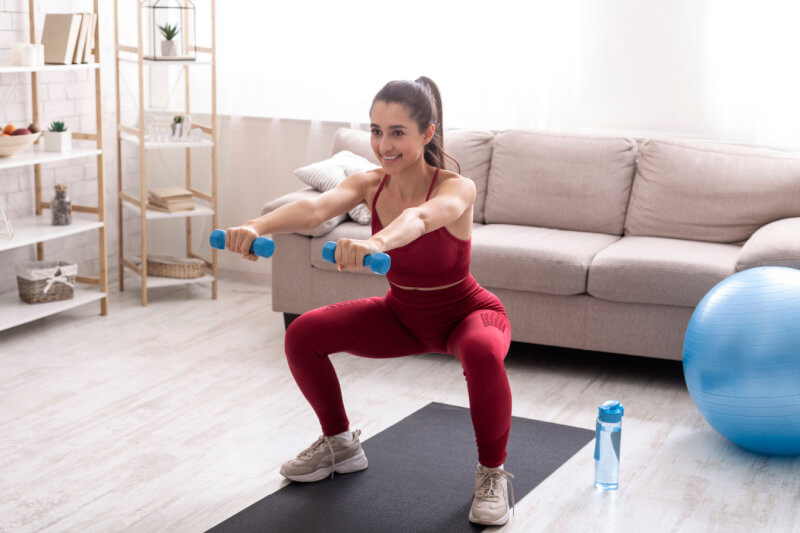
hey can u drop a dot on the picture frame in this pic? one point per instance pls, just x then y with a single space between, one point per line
6 229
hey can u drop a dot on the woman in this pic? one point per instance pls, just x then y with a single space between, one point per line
421 216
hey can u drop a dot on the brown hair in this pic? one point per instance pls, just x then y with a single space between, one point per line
424 103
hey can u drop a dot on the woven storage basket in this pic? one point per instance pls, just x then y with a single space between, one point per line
165 266
46 281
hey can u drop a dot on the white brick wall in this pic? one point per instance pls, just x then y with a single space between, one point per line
67 96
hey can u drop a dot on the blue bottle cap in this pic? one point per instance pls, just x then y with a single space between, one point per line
611 411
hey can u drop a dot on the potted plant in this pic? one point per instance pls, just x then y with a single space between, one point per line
170 47
57 138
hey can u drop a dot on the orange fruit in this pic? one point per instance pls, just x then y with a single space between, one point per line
9 128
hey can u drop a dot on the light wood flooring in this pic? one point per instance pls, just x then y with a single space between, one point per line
175 416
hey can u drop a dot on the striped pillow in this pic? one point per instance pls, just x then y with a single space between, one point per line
326 175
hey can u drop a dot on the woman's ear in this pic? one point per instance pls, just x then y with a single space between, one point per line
429 133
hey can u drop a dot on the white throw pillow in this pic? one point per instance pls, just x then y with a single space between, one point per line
327 174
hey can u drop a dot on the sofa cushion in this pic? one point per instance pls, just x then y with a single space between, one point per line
296 196
526 258
712 192
776 244
471 148
653 270
569 182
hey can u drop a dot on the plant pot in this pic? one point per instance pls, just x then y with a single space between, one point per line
57 141
170 48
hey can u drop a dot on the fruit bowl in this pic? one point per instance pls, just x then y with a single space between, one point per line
12 144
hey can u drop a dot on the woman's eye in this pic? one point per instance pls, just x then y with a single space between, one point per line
398 133
376 131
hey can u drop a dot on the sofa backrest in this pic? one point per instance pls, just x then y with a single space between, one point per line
570 182
471 148
714 192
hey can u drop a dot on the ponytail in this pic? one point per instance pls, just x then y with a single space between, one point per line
424 104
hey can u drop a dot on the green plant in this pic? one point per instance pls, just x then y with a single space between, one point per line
177 119
169 31
57 125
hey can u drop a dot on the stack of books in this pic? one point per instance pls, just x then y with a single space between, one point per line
68 38
170 199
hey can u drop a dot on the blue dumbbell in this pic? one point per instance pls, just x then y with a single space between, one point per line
262 246
378 263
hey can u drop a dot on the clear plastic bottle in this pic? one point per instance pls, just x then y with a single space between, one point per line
608 436
61 207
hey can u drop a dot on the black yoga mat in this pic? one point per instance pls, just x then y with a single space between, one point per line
420 478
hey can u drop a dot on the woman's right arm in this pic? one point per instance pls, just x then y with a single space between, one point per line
300 215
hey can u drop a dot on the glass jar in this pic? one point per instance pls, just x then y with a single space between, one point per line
61 207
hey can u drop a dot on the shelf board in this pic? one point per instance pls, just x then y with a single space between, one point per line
198 211
152 145
14 312
37 156
9 69
182 62
157 282
31 230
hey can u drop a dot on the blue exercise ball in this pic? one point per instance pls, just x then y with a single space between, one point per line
741 359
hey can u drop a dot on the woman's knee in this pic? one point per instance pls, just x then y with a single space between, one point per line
481 354
300 333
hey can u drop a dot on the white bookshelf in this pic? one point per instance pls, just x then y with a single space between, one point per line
131 139
37 230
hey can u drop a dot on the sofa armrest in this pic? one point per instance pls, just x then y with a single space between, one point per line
308 192
776 244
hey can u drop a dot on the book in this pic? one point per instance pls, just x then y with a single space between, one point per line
59 36
171 203
172 208
80 44
88 51
166 193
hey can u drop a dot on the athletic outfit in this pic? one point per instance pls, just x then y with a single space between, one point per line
464 320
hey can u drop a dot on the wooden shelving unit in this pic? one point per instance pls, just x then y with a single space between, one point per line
135 138
36 230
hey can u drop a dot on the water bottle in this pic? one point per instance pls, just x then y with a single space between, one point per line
608 433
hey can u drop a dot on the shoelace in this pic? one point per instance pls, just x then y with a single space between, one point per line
489 485
322 440
314 448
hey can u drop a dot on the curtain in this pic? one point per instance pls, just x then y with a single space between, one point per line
720 69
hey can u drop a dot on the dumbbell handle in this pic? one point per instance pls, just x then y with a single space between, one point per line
262 246
378 262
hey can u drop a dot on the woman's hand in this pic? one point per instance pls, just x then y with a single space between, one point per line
350 253
239 239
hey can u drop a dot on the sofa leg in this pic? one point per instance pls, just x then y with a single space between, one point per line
288 318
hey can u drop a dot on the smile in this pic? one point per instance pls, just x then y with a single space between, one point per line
392 158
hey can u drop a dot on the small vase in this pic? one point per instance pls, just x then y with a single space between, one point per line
61 207
170 48
57 141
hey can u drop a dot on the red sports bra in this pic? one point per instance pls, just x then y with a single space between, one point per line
434 259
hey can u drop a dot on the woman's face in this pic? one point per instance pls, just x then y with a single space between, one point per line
395 137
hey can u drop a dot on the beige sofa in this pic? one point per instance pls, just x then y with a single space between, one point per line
591 242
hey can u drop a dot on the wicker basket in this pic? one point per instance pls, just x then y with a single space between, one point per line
46 281
165 266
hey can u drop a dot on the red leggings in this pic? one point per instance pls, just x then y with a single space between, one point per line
465 320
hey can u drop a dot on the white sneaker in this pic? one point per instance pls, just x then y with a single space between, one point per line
490 498
326 456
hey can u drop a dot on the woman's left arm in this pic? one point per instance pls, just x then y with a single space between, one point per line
453 197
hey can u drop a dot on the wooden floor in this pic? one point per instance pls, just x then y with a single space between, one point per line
175 416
